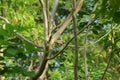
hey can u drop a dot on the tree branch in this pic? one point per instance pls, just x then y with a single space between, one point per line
65 22
3 10
54 7
111 55
45 20
70 41
102 37
46 39
87 25
22 37
51 20
85 56
4 19
75 43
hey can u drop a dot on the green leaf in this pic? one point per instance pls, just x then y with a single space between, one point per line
2 33
28 73
116 17
118 44
10 51
1 37
1 58
95 31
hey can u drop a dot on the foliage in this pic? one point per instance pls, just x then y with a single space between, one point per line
26 17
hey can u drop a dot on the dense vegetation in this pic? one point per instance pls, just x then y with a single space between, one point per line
59 39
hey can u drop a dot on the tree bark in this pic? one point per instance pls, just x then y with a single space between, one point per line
76 43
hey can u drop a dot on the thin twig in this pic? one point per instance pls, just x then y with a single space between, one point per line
25 39
102 37
4 19
110 57
85 55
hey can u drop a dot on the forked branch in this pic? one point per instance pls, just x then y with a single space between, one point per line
87 25
64 24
